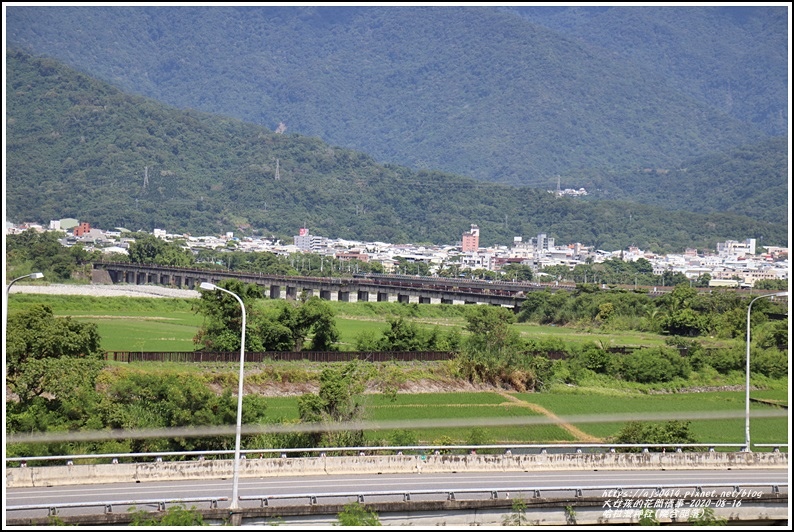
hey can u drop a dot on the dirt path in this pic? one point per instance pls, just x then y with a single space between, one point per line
575 432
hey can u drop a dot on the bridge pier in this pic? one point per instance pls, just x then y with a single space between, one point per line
348 297
328 295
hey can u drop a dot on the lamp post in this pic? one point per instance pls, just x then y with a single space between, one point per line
236 475
747 371
35 275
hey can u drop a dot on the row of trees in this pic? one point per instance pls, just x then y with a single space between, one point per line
681 312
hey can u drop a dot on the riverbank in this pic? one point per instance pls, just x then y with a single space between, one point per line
105 290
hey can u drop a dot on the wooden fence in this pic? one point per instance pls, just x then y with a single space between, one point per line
310 356
315 356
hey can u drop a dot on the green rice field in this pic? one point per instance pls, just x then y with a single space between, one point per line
726 430
149 324
485 410
161 324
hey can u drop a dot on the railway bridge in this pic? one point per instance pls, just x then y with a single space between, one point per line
392 288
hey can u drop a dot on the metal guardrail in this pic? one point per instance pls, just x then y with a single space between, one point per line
743 491
108 505
556 448
665 490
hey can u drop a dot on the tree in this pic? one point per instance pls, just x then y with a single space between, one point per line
493 352
35 251
148 249
518 272
401 335
286 328
338 401
40 348
490 328
148 400
597 359
771 284
222 327
311 316
684 322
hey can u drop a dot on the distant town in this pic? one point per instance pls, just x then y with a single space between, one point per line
734 264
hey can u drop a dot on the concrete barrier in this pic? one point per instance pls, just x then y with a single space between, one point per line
21 477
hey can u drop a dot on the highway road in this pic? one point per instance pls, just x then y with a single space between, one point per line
507 484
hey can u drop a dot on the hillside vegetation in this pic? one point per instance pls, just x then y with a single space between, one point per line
77 147
476 91
730 57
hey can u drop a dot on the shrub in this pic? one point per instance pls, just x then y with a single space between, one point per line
654 433
174 516
657 364
404 438
356 514
769 362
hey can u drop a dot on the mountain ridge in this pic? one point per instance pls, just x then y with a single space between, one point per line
473 91
81 148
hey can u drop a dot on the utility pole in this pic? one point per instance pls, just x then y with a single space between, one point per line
278 176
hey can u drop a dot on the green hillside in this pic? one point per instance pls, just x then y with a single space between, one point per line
469 90
731 57
77 147
751 180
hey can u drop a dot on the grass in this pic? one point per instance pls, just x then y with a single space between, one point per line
731 430
484 410
416 411
154 324
164 324
571 335
125 323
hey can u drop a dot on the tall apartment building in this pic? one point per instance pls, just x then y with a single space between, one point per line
736 249
543 244
471 240
307 242
82 229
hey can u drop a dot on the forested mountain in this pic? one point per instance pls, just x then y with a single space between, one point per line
476 91
731 57
78 147
751 180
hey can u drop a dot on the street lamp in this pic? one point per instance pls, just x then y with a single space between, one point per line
747 386
35 275
236 475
